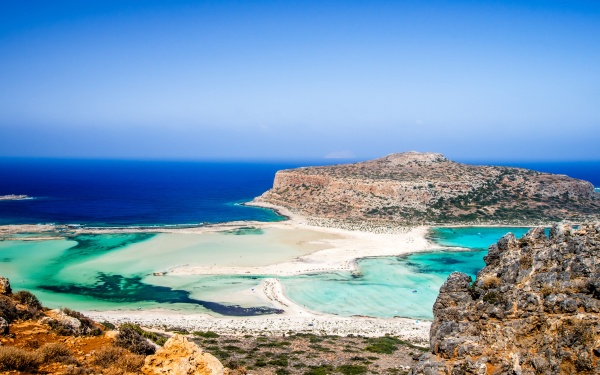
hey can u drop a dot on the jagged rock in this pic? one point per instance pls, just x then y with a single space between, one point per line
5 286
181 357
4 326
415 187
534 309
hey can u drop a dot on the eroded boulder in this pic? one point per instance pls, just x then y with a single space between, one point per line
181 357
5 288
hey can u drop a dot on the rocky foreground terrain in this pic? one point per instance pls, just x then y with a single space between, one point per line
415 188
37 340
534 309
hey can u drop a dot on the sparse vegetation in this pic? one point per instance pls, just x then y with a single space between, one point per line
491 282
18 359
131 340
152 336
118 358
206 335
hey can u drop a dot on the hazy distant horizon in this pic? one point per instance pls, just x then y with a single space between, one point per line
197 80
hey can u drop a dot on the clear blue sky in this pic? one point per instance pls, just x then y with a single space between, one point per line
502 80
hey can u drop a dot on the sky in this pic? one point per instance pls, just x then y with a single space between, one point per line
283 80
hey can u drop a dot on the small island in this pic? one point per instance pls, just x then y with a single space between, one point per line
14 197
413 188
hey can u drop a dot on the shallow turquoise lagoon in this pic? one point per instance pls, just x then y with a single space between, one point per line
114 271
399 286
472 237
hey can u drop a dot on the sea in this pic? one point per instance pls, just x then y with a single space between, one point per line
114 271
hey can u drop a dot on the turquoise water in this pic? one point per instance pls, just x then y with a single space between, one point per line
399 286
472 237
114 271
111 271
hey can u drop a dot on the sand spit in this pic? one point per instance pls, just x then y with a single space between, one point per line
295 319
339 254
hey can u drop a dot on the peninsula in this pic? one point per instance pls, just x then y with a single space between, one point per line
426 188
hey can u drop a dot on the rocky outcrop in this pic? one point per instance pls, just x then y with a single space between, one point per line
534 309
181 357
5 288
425 187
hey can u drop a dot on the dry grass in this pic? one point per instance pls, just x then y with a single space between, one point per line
106 356
118 360
491 282
55 352
12 358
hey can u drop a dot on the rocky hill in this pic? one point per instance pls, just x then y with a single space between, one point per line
534 309
416 187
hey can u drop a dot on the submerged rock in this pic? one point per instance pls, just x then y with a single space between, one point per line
534 309
181 357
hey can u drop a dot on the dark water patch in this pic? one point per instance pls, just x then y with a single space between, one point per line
97 243
93 245
448 260
117 288
5 260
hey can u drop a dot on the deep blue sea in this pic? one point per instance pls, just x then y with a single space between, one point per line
124 193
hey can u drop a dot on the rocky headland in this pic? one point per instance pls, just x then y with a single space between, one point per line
534 309
426 188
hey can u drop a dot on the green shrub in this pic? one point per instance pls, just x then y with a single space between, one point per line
281 361
352 369
108 325
27 298
152 336
319 370
383 345
206 335
131 340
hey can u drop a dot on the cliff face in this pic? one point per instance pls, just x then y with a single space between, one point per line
427 187
534 309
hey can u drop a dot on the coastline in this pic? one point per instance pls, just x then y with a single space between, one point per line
295 318
340 248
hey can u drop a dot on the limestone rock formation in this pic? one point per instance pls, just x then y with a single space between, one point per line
534 309
415 187
181 357
5 288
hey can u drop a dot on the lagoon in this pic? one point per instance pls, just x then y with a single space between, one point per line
115 271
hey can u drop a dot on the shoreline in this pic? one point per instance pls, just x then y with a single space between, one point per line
295 318
340 253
